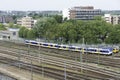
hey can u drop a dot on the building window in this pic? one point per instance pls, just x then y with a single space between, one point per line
14 33
8 37
4 36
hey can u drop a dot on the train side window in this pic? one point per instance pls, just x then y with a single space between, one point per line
79 48
104 51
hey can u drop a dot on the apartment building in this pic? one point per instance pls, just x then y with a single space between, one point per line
84 13
26 21
113 19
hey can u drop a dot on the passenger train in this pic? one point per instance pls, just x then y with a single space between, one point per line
104 51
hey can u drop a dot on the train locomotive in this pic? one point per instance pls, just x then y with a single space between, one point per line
104 51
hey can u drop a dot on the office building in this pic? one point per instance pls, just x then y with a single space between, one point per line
84 13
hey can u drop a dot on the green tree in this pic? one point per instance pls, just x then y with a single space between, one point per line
43 27
31 34
21 32
114 35
69 31
99 18
58 18
2 27
25 31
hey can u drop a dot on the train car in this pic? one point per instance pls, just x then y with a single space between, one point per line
115 50
52 45
56 46
78 49
91 50
64 47
49 45
34 43
27 42
31 42
105 51
72 48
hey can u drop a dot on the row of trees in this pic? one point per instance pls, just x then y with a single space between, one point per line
73 31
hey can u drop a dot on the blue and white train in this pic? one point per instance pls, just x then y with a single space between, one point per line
105 51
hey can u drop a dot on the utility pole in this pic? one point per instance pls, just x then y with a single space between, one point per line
28 48
81 60
39 51
31 71
81 55
82 51
83 42
19 55
42 57
42 66
98 56
65 78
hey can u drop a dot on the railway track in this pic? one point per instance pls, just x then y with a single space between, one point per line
57 74
60 63
89 58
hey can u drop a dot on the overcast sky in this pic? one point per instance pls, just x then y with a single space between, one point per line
57 4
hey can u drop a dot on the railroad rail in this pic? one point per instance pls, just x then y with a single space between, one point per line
78 66
89 58
74 65
57 74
